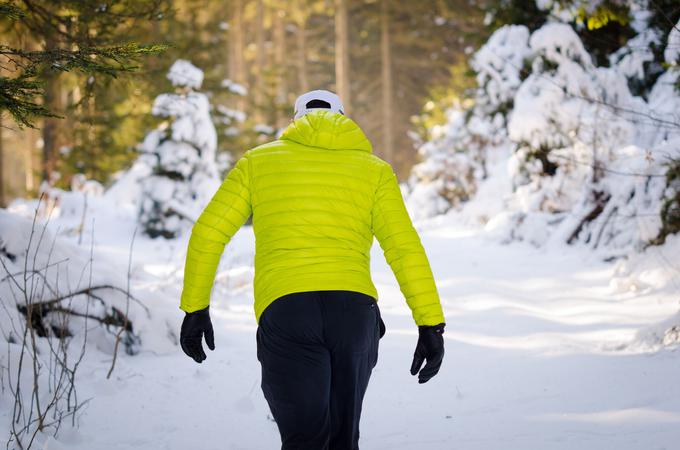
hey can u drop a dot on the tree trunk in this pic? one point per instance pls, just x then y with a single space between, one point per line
342 54
237 71
386 62
50 129
302 48
259 91
280 63
29 156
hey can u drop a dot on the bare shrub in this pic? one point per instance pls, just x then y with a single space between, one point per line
47 339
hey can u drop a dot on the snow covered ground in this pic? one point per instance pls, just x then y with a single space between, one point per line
543 352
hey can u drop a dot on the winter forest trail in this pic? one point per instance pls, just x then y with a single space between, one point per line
538 358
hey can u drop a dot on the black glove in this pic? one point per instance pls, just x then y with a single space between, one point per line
191 336
430 347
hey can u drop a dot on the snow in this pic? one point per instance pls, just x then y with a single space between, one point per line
234 87
545 349
264 129
499 61
574 11
585 156
672 52
230 114
192 122
559 42
184 74
630 59
443 179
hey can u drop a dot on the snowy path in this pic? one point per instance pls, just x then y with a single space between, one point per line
536 359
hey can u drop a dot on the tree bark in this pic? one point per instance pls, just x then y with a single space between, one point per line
301 35
237 71
342 54
387 81
50 129
280 63
258 94
29 156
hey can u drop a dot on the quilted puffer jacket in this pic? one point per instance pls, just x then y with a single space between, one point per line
318 195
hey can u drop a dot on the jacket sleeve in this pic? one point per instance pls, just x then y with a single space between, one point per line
228 209
404 252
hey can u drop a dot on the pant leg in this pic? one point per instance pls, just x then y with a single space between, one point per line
296 370
352 334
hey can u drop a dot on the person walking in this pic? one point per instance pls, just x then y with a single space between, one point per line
318 195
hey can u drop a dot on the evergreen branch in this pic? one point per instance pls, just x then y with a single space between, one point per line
11 11
16 96
106 60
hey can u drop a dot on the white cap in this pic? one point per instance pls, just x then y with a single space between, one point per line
321 95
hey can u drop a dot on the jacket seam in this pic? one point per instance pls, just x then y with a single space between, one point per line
249 179
375 195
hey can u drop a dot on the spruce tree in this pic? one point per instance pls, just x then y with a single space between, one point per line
181 156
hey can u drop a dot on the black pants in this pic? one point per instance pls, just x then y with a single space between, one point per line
317 350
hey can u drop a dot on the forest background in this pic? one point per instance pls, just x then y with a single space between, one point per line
390 61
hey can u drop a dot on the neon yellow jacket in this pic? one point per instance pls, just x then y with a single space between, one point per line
318 195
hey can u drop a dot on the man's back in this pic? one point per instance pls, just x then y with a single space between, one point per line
312 195
317 195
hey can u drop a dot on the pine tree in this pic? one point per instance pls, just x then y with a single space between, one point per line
181 156
87 38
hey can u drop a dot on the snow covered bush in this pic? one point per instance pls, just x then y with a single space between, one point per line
455 161
588 159
183 74
61 282
498 65
50 297
574 143
448 175
178 163
636 60
670 209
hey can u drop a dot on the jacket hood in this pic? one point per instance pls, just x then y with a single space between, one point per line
327 129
